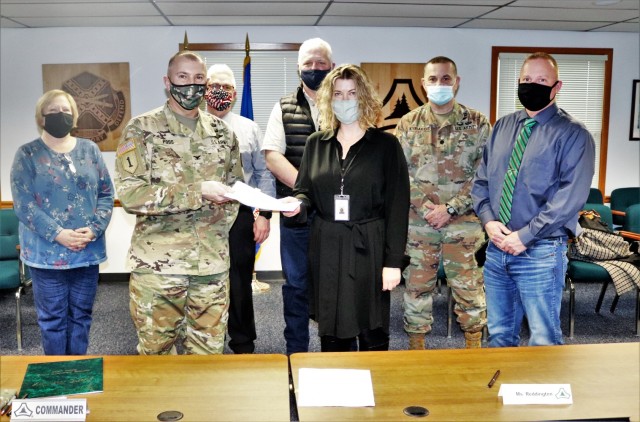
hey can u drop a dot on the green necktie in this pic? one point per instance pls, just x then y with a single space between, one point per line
512 172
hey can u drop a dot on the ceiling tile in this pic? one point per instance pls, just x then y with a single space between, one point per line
531 24
390 21
78 9
242 20
7 23
620 27
572 15
95 21
241 8
438 2
544 13
577 4
406 10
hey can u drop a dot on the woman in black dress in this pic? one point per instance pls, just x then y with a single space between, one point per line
355 176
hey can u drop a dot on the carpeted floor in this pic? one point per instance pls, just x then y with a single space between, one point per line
112 331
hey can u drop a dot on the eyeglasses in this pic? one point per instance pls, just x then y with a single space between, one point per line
69 161
224 87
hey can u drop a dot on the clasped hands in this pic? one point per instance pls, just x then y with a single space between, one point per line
77 239
503 238
437 217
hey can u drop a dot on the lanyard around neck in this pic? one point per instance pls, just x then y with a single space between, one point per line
344 170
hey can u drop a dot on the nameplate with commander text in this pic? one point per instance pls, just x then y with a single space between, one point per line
49 410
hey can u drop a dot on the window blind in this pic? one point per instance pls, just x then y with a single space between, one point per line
582 92
273 74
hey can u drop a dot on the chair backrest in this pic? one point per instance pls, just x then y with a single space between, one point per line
622 198
603 210
595 196
9 238
632 219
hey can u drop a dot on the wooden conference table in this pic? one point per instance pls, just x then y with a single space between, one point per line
203 388
452 384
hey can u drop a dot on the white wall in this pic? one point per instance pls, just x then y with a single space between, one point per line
23 51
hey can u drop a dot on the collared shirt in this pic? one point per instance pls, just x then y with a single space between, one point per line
254 165
160 167
274 137
442 158
54 191
554 177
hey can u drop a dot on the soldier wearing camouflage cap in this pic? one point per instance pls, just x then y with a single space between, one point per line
443 143
174 164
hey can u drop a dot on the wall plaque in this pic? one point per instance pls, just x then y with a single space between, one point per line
102 93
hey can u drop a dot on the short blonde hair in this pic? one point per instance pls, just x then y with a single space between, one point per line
543 56
189 55
368 101
46 99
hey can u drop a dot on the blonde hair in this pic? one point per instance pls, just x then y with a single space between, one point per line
368 102
46 99
544 56
189 55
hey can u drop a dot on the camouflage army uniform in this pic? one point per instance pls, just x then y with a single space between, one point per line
442 161
179 253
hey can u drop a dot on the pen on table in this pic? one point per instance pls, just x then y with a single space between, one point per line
494 379
5 408
11 405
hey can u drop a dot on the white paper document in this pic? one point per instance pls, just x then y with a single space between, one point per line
536 394
335 387
253 197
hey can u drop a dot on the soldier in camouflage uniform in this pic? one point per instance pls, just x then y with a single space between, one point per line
173 166
443 143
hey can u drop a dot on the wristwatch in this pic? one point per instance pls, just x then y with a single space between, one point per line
450 210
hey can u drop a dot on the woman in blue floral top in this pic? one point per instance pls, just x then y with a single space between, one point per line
63 196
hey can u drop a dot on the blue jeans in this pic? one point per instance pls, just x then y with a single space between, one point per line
64 303
294 244
530 285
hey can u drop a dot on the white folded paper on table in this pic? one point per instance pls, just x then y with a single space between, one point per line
536 394
253 197
335 387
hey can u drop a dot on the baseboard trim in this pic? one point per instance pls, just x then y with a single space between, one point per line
110 277
124 277
269 275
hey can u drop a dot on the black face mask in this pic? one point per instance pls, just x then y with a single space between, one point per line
534 96
313 78
59 124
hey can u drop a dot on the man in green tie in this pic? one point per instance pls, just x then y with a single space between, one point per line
534 177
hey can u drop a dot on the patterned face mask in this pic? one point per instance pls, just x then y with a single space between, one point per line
188 96
218 98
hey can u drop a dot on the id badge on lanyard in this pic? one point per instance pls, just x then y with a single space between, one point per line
341 206
341 202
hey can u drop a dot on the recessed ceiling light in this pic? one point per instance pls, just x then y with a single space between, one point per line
606 2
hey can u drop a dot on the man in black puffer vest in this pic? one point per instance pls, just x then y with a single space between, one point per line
292 120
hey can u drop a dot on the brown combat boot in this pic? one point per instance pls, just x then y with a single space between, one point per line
416 341
473 340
